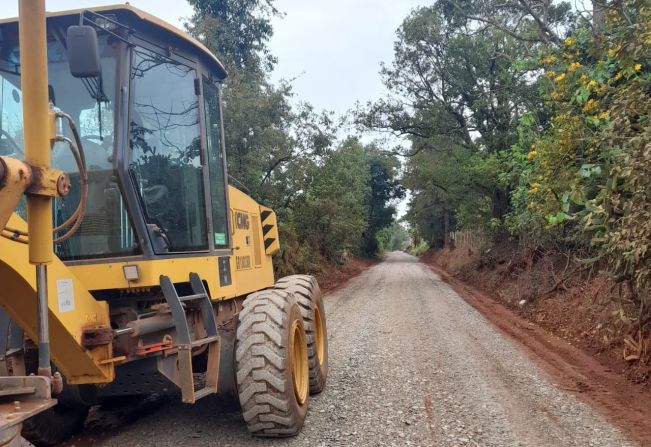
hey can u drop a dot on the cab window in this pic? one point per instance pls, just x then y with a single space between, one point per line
215 163
165 141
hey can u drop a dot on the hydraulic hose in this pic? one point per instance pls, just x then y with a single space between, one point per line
74 221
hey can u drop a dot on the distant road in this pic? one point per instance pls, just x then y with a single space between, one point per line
410 364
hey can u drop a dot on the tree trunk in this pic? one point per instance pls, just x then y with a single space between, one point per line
500 203
598 14
446 226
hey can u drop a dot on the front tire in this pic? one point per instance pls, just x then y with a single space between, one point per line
55 425
308 295
271 364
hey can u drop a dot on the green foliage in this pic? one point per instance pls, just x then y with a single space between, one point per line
332 218
384 190
332 212
531 121
236 30
589 168
419 248
398 237
457 92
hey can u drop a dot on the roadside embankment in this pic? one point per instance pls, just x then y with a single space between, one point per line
564 318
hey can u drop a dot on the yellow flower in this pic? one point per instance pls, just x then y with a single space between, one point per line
604 115
532 154
555 95
618 76
574 66
549 59
534 187
637 67
569 41
592 83
590 105
560 77
613 51
550 74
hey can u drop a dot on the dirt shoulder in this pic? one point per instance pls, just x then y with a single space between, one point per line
331 278
624 403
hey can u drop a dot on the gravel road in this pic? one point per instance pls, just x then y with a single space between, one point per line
410 364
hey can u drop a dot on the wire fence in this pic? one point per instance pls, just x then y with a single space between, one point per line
470 238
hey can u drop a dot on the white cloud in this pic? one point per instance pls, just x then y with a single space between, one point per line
336 47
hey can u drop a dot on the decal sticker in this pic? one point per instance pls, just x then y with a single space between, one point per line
220 238
242 262
65 295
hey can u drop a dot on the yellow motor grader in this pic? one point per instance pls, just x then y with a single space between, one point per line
128 265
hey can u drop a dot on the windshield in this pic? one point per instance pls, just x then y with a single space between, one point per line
106 229
165 139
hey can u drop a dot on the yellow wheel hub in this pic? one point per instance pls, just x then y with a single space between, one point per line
298 354
319 335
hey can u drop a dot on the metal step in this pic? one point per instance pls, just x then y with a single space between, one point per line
17 391
199 296
22 398
204 341
207 391
179 305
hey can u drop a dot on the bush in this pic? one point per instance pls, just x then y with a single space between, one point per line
419 248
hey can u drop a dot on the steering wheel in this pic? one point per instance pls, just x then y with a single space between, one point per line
105 142
154 193
12 143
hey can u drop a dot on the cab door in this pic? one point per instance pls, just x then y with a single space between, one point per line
165 159
216 164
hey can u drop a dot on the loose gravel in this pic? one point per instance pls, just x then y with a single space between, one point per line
411 364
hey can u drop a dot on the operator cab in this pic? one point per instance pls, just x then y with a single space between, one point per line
150 125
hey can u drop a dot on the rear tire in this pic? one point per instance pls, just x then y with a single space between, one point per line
272 364
308 295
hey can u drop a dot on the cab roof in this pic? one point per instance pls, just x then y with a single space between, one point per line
145 17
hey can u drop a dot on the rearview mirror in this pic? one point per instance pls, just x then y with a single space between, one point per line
83 52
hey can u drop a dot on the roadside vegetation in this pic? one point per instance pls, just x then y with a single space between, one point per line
333 197
526 123
528 120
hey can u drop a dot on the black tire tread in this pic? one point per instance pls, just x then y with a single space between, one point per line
54 425
261 360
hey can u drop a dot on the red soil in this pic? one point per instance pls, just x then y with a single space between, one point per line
597 381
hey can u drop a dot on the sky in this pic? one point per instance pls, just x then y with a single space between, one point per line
332 49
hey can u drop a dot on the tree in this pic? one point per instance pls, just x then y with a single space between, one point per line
267 140
332 214
457 92
384 189
237 31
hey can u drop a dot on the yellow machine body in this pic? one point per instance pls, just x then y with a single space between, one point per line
81 318
251 267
